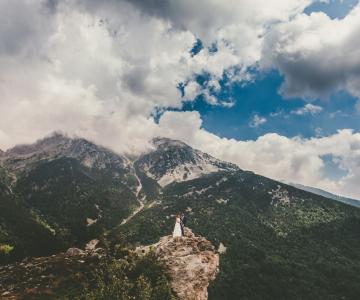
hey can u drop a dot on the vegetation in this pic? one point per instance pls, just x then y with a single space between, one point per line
282 243
87 277
5 252
50 205
22 232
132 277
6 249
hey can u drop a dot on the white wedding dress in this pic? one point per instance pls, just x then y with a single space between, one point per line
177 228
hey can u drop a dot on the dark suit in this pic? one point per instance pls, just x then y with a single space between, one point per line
182 224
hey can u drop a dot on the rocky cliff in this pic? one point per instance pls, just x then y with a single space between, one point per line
191 261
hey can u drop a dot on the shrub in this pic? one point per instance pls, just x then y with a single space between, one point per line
132 277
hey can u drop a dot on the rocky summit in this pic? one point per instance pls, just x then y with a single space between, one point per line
191 262
174 161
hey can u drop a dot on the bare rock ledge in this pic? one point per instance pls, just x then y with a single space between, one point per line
192 263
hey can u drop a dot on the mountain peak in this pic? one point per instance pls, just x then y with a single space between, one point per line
58 145
175 161
54 140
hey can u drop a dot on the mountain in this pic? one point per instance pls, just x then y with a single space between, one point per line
57 146
267 227
174 161
323 193
275 241
22 233
71 188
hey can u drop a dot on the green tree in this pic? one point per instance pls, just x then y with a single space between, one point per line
143 288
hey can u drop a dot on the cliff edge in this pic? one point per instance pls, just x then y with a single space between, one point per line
191 262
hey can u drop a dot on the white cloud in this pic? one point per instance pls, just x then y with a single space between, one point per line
208 90
295 159
257 121
87 79
276 113
95 68
319 132
307 109
225 19
318 55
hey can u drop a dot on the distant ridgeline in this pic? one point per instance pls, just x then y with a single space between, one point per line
277 241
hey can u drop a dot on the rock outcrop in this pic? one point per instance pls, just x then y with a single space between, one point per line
192 263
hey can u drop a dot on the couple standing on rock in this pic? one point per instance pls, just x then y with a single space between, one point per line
179 229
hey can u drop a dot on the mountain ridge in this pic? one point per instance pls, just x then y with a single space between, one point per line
57 145
263 227
317 191
75 147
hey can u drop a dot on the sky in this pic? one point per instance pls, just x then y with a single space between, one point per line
272 86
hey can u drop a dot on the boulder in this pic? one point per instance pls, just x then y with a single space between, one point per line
74 252
90 246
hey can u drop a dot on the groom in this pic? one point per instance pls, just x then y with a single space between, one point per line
182 223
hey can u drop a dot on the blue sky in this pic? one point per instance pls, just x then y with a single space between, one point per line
333 8
261 97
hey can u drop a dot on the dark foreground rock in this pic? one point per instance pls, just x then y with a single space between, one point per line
47 277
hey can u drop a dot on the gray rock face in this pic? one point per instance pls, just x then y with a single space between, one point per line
174 161
59 145
22 157
192 263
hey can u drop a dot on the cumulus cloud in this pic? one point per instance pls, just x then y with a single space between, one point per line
240 22
317 55
307 109
76 64
87 73
257 121
24 27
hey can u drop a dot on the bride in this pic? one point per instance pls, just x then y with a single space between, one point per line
177 228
